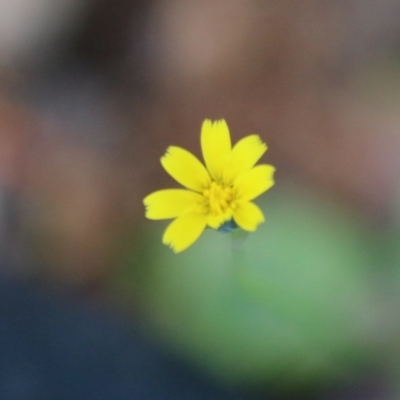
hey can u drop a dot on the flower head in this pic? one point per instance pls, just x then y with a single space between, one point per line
218 194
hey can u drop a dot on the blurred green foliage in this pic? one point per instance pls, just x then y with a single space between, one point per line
292 303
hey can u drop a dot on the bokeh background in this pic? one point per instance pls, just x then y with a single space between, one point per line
93 305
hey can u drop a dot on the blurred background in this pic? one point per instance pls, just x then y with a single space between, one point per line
93 305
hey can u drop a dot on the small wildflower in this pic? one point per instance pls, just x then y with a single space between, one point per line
218 195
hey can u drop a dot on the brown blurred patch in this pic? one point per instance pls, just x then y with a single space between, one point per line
78 211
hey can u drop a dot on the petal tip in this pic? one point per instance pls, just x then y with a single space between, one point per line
172 246
207 123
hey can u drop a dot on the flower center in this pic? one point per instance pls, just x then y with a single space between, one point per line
218 198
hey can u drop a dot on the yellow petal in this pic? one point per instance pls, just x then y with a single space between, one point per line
170 203
184 231
216 146
216 220
248 216
252 183
185 168
244 156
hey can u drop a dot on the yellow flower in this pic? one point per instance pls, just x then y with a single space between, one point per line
218 195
